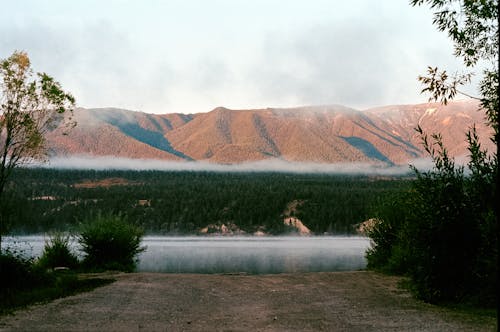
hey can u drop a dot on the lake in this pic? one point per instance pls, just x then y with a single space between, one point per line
254 255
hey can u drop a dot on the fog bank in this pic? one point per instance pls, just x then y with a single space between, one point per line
269 165
253 255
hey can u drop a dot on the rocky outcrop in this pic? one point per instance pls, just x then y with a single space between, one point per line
297 225
290 220
221 229
367 226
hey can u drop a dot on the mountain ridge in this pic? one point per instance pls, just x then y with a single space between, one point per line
322 134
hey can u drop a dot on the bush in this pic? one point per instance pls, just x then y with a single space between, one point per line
57 253
15 271
443 234
18 274
110 243
387 252
23 282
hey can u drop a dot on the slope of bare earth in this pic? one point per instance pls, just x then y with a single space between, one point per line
312 134
342 301
120 133
451 120
325 134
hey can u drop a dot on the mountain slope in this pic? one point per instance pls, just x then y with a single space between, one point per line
452 121
315 134
120 133
325 134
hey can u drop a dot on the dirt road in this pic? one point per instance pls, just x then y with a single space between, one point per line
343 301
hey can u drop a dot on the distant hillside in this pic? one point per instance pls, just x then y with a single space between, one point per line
324 134
121 133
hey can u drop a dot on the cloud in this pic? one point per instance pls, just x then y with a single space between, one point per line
96 61
191 56
359 65
270 165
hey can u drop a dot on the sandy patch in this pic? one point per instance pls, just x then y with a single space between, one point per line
108 182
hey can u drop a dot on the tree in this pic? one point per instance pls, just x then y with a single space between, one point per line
472 25
444 233
30 105
463 215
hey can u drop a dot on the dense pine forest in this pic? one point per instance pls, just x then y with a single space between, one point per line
183 202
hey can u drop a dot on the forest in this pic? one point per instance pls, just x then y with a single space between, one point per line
39 200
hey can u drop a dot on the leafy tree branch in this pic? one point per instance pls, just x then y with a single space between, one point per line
30 106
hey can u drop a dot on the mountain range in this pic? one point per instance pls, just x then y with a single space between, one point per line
322 134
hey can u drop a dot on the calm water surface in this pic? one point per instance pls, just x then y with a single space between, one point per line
236 254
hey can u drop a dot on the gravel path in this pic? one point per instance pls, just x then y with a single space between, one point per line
340 301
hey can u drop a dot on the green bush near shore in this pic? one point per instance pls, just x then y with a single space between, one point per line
110 243
57 253
24 282
442 233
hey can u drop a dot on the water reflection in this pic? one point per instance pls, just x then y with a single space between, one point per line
256 255
253 254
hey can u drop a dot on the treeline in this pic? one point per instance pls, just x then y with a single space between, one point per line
181 202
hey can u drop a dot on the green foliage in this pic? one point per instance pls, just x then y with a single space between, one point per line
19 274
471 25
473 28
57 253
447 239
16 271
28 109
110 242
443 234
184 202
388 249
23 282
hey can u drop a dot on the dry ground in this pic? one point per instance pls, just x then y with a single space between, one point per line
340 301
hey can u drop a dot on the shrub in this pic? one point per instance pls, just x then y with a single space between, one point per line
57 253
23 282
444 236
110 243
18 274
387 252
14 269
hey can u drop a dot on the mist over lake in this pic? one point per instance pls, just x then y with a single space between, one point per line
254 255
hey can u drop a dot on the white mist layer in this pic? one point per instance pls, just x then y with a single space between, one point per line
254 255
269 165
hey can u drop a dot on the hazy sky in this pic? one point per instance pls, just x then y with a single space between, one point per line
194 55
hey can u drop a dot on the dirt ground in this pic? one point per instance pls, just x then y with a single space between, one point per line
339 301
